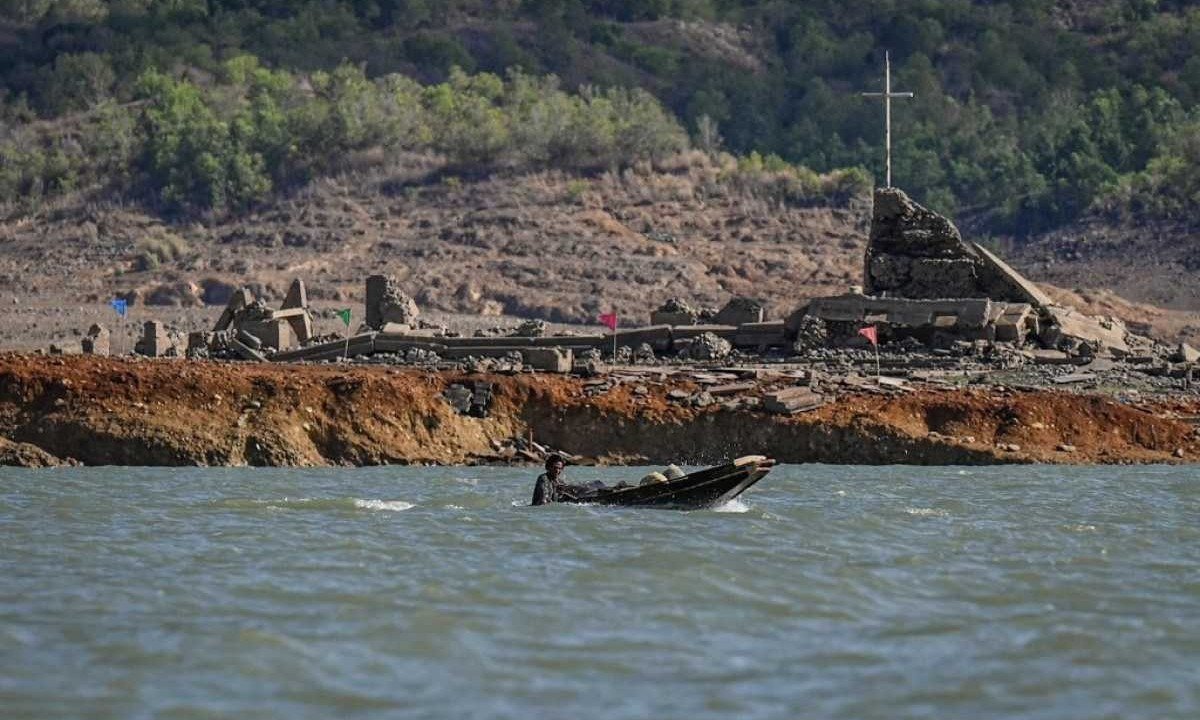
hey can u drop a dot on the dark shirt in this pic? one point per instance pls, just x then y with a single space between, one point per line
546 491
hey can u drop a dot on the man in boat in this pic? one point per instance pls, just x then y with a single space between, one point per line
550 486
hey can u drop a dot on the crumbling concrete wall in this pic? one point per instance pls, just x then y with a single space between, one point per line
916 253
387 303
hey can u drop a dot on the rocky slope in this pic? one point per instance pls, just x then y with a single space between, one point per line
108 411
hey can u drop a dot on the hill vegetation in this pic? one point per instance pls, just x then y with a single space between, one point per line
1028 113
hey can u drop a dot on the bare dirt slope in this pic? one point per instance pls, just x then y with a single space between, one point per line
164 412
1128 270
548 245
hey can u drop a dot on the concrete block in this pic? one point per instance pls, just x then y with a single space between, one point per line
249 339
302 327
298 319
971 313
725 332
739 311
657 336
155 341
553 360
1050 357
1068 327
571 341
246 352
376 287
1028 291
666 317
288 313
761 335
792 400
274 334
358 345
1012 321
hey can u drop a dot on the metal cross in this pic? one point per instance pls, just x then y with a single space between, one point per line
887 96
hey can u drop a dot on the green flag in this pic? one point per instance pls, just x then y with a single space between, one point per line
345 316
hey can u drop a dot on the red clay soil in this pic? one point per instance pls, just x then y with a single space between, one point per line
100 411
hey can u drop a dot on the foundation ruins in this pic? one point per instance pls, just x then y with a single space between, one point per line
931 296
922 280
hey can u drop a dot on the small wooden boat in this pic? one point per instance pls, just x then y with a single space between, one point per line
706 488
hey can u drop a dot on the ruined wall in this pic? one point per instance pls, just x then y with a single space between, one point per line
915 253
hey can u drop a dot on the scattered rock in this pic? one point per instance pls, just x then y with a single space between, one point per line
26 455
811 334
530 328
709 346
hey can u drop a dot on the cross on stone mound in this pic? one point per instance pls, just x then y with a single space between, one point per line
887 96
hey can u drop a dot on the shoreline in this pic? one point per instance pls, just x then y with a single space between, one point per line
124 411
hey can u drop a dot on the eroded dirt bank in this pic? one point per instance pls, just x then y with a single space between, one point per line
126 412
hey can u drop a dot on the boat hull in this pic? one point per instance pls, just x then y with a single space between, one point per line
710 487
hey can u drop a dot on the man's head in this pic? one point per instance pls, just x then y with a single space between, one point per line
555 465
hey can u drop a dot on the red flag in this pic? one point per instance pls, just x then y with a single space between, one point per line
870 334
609 320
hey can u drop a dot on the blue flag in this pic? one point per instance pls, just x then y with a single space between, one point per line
120 306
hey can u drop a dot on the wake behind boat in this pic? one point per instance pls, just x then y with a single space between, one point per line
710 487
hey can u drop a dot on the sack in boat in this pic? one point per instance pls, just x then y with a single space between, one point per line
654 477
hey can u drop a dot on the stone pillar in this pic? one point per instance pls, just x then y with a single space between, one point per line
155 342
97 341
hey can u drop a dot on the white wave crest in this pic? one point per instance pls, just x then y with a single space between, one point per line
927 512
733 506
389 505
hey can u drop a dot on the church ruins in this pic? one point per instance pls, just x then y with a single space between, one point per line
924 289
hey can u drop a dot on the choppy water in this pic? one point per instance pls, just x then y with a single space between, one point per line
829 592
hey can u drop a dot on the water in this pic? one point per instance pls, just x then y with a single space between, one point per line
828 592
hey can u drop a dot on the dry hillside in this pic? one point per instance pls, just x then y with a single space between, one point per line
547 245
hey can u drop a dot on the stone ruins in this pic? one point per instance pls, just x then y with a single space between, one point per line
927 291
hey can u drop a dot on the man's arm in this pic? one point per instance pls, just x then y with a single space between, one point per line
541 491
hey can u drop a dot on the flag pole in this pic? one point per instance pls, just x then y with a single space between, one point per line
345 316
877 373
